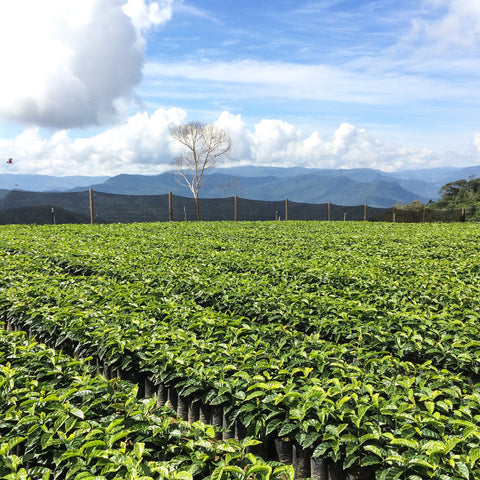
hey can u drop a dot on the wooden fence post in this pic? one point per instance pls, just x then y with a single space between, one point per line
364 212
53 216
170 206
92 208
286 209
235 208
393 214
329 211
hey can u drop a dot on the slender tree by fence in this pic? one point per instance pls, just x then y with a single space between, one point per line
203 146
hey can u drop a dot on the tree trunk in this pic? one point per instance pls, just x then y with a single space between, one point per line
197 208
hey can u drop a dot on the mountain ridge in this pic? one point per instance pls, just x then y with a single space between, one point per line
299 184
46 183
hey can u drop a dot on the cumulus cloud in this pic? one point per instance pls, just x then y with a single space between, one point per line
275 142
142 145
70 63
240 135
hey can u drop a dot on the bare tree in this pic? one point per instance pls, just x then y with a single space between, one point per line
203 145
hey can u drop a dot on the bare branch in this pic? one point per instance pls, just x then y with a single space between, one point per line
203 146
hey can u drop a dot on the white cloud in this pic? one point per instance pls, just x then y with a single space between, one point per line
279 143
363 82
448 31
185 9
275 141
70 63
476 142
458 27
240 135
146 14
142 145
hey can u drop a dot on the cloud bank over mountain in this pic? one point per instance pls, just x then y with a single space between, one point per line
142 145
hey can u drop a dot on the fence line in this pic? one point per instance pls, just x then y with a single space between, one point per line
236 208
90 206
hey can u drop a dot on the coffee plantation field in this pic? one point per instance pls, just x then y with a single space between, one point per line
349 350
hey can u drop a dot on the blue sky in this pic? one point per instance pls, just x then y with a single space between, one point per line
95 88
318 64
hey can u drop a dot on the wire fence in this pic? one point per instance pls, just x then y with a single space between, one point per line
98 207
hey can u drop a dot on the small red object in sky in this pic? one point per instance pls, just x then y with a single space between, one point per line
10 161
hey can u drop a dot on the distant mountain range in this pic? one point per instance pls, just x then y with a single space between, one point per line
339 186
46 183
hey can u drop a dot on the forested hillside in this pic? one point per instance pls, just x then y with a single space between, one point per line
462 193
